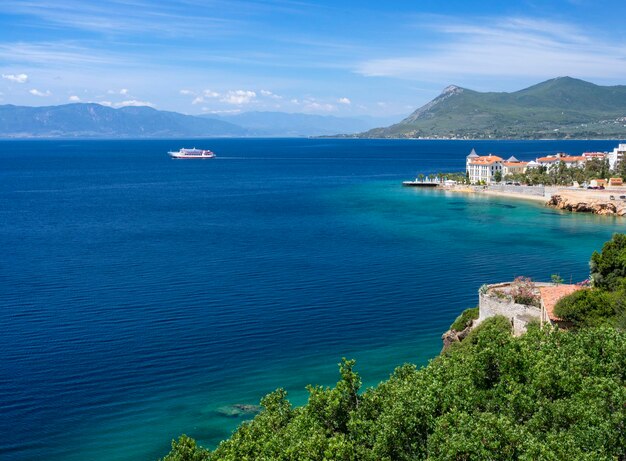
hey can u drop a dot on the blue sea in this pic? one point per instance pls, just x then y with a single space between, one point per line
141 296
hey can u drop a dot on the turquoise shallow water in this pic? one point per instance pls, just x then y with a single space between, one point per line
140 294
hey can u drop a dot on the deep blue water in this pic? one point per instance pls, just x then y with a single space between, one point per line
139 294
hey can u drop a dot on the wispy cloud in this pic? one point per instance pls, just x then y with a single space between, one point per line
74 98
123 17
512 47
344 101
134 103
36 92
55 53
129 103
269 94
123 92
16 78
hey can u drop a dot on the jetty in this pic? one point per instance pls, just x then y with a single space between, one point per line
426 182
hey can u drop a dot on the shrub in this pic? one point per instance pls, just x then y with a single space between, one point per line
587 307
523 291
608 268
464 320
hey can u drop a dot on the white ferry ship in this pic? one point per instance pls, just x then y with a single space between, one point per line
192 153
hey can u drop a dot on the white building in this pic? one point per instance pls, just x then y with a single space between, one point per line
617 157
554 160
482 168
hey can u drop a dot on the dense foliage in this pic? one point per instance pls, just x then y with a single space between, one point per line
605 302
547 395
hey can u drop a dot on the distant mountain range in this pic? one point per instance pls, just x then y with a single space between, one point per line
89 120
561 108
290 124
94 120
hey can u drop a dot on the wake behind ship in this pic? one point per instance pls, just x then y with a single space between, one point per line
192 153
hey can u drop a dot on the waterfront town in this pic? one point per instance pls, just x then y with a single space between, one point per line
489 169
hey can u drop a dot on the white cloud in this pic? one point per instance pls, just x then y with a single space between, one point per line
130 102
294 101
505 47
133 102
36 92
217 112
74 98
206 94
344 101
123 92
269 94
19 78
186 92
315 106
239 97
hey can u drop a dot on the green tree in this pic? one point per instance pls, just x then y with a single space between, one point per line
497 176
185 449
608 268
556 279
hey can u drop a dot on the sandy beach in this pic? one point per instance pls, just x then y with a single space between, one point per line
606 202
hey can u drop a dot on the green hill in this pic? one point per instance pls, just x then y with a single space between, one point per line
561 108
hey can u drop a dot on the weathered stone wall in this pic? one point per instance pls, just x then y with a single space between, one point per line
518 314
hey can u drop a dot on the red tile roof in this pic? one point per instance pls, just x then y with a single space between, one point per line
485 160
551 295
547 159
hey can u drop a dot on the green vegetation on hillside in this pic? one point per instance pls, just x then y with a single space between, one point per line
548 395
561 108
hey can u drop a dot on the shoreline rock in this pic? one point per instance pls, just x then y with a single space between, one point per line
597 206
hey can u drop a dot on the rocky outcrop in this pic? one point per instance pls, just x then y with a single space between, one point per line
599 206
452 336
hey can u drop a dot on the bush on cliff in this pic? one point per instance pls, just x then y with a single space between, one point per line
465 319
608 268
588 307
605 302
546 395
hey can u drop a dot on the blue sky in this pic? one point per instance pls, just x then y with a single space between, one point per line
327 57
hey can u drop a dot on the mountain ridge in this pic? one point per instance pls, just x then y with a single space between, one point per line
92 120
559 108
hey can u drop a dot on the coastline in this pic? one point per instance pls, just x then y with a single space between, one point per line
482 190
601 202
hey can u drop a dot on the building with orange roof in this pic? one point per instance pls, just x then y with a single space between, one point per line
550 296
482 168
513 166
570 161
